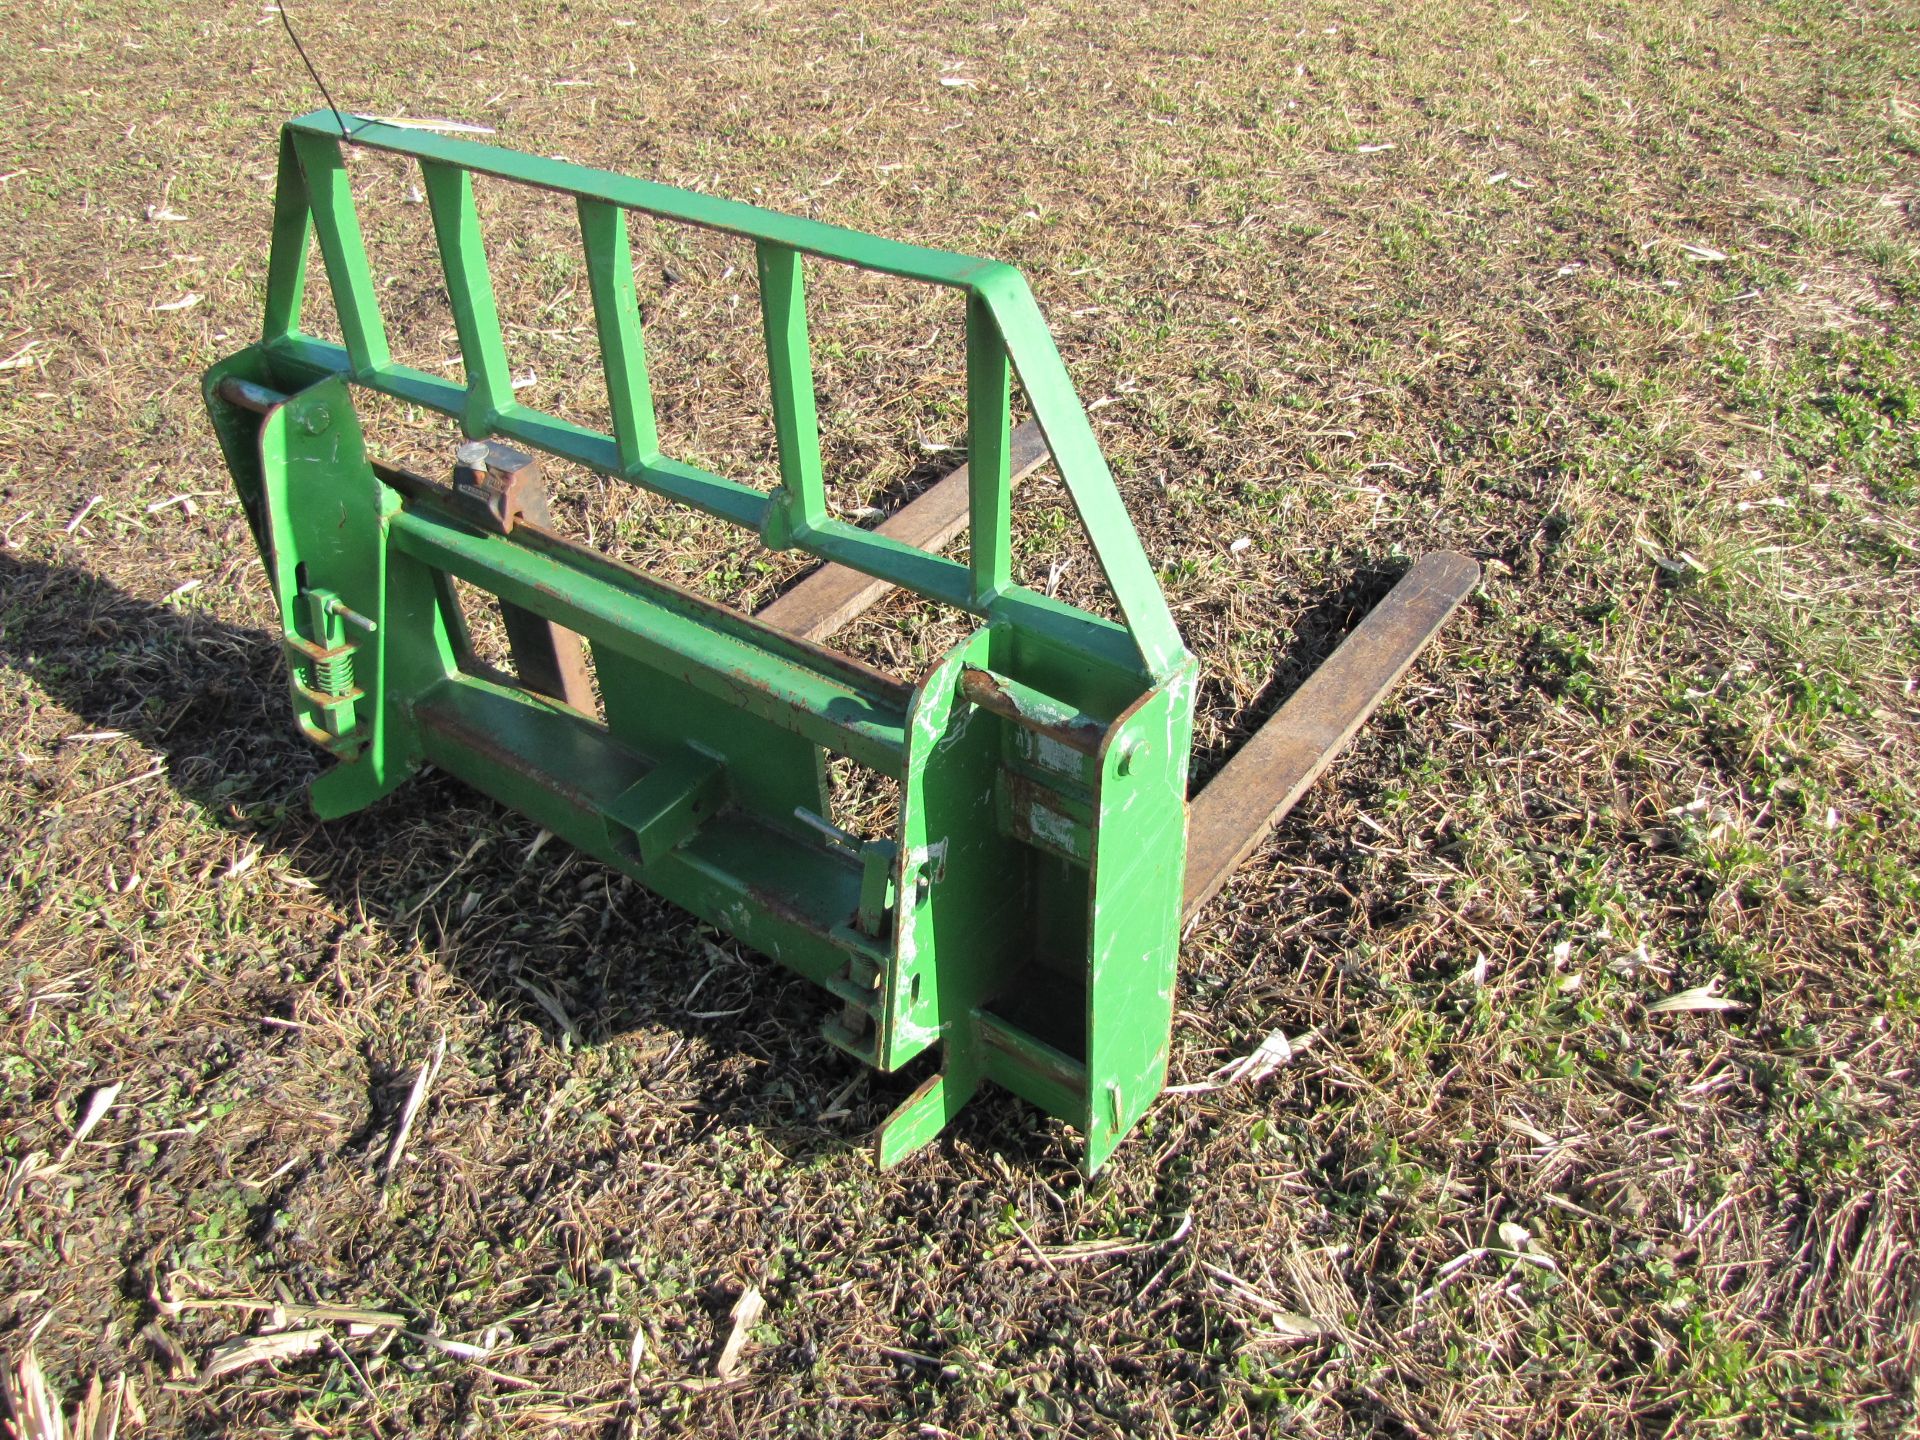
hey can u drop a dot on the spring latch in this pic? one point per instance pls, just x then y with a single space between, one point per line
322 664
334 674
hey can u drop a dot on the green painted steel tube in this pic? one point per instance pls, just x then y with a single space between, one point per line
863 725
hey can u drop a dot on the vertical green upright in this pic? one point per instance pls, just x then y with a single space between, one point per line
616 316
476 319
345 253
989 454
802 503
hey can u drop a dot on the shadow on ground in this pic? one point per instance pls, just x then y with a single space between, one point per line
207 699
1315 633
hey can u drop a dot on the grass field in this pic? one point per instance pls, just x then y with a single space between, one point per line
1624 300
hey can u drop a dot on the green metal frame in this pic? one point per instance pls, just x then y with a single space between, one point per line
1023 918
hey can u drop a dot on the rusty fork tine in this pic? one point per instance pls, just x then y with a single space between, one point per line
1261 783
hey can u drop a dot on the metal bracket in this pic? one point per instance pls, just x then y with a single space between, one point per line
493 485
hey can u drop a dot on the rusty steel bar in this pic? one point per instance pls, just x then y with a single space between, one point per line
549 659
1260 784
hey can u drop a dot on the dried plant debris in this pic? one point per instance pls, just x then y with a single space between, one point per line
32 1411
745 1314
1695 997
267 1349
31 1408
1551 1071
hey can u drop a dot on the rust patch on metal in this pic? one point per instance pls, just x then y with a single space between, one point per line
985 690
496 485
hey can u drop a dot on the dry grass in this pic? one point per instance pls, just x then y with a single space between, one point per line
1630 309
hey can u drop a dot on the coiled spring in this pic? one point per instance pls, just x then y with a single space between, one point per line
334 676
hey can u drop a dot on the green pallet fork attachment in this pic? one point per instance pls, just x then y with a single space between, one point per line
1022 920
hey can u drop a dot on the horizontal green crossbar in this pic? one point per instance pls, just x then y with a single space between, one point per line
1006 337
860 722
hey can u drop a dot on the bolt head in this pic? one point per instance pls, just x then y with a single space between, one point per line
316 419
